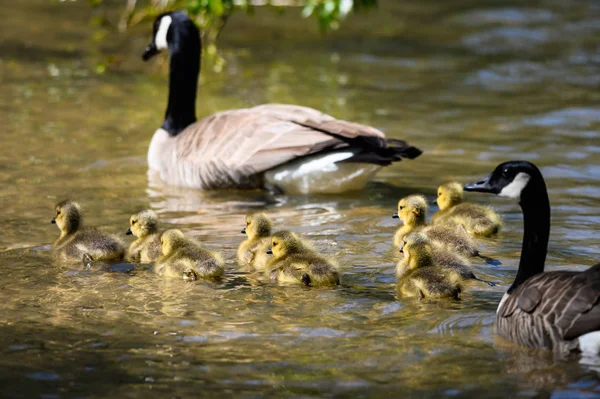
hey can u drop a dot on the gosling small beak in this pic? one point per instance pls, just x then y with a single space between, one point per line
402 250
128 232
270 251
53 221
481 185
395 216
244 230
150 52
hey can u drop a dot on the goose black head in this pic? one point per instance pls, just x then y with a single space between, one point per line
509 179
172 31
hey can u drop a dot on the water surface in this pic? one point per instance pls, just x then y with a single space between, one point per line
471 83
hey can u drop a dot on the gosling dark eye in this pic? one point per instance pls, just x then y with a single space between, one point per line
400 207
274 244
57 213
133 222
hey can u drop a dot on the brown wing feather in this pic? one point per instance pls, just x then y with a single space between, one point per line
234 145
568 307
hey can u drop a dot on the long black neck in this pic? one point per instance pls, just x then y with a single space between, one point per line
183 83
536 214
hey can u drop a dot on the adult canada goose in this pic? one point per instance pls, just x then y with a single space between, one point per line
557 310
280 147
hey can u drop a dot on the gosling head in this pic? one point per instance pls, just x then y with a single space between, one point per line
143 223
258 225
173 31
512 179
68 217
284 243
171 240
449 194
417 250
412 210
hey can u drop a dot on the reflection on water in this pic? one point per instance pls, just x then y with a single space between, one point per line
471 84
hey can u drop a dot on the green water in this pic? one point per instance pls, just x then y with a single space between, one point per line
471 83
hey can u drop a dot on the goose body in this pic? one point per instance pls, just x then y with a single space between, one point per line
558 310
76 241
280 147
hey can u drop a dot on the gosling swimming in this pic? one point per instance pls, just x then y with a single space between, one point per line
419 276
75 241
412 210
442 257
478 220
184 257
295 261
253 251
147 247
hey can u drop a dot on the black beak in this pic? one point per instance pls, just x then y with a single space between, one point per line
128 232
150 52
482 185
269 251
402 250
395 216
53 221
244 230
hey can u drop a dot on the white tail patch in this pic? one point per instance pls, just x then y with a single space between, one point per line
161 34
515 188
321 174
589 343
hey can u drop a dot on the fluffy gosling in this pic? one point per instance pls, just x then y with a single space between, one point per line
253 251
419 276
147 247
184 257
442 257
412 211
295 261
75 241
477 220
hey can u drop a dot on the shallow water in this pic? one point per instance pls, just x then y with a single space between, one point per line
472 85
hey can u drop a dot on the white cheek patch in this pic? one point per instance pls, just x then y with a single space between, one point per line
514 189
161 34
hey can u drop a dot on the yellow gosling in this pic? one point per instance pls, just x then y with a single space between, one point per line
295 261
253 251
419 276
76 241
412 211
477 219
147 247
183 257
442 257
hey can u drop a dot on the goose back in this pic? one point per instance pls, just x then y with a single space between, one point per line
551 310
234 148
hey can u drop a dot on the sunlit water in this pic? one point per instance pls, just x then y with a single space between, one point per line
470 85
